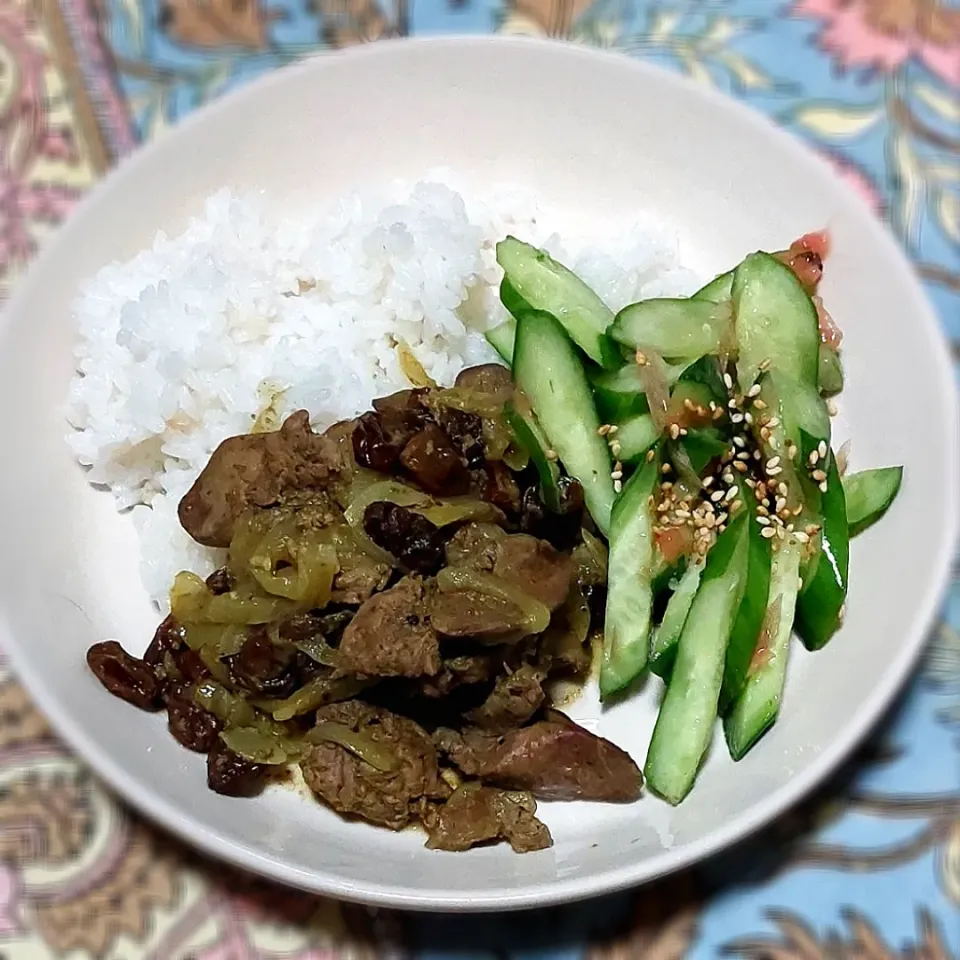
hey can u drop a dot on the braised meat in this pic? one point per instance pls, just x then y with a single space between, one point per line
467 613
352 786
553 759
255 470
514 700
391 635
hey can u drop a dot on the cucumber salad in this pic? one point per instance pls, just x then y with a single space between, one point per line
700 431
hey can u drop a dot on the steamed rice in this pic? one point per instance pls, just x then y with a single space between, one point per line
189 341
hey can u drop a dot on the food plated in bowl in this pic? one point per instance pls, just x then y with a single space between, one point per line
286 566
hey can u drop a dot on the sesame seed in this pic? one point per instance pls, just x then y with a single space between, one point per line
615 448
728 477
717 496
831 408
759 404
650 455
819 476
683 431
752 484
792 451
748 417
822 448
717 414
731 494
666 468
603 429
550 454
683 514
713 406
763 521
773 471
688 403
843 612
674 431
756 455
666 485
782 487
617 486
707 481
736 418
754 390
781 503
773 422
823 487
740 466
613 428
812 529
768 532
764 365
616 475
721 519
764 435
736 505
641 358
801 537
813 458
773 462
728 381
799 583
739 442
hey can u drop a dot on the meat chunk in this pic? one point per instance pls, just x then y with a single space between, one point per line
391 635
255 470
467 613
434 462
496 485
514 700
475 546
263 667
232 775
536 568
461 671
416 543
477 814
555 759
354 788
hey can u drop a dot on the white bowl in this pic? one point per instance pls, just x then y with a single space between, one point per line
602 137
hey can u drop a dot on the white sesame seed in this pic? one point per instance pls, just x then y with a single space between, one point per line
780 533
819 476
731 494
650 455
736 418
812 529
781 503
732 403
813 458
603 429
756 455
752 484
666 468
773 471
616 475
617 486
713 406
768 532
823 487
754 390
822 448
792 451
759 404
716 496
748 417
736 505
728 477
615 448
739 442
674 431
728 381
641 358
773 462
763 521
764 365
683 514
707 481
832 408
550 454
843 612
613 428
801 537
773 422
683 431
740 466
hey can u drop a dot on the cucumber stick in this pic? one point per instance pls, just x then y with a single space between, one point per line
636 436
776 322
685 724
526 428
501 338
758 704
547 369
630 572
534 280
682 328
718 289
663 645
869 494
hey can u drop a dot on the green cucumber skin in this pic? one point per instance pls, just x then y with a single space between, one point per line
619 393
869 494
533 280
630 574
820 604
718 289
776 321
685 724
753 606
663 647
531 437
548 369
636 436
703 444
758 704
829 371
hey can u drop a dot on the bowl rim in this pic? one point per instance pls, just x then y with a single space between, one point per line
556 891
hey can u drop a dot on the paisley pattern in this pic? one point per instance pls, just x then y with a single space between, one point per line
867 869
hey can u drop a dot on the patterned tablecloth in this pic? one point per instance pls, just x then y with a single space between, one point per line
869 868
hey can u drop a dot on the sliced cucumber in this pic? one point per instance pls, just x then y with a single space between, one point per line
706 371
689 709
684 328
758 704
663 645
636 436
548 370
619 393
869 494
718 289
829 371
749 619
776 322
526 428
824 592
703 444
540 283
501 338
630 571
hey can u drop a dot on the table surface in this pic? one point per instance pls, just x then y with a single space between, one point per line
869 868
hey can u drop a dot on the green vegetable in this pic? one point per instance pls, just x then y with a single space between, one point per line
663 646
454 579
682 328
501 338
379 755
868 495
526 428
830 371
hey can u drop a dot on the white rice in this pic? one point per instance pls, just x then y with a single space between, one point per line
184 344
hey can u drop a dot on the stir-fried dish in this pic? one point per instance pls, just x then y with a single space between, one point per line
407 596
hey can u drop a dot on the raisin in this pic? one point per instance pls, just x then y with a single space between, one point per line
230 774
435 463
125 676
263 667
220 581
189 724
167 639
411 538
